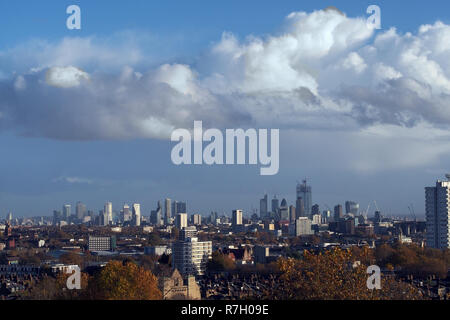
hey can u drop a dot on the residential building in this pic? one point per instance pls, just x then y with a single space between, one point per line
191 256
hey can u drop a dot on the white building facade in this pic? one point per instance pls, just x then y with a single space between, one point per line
191 256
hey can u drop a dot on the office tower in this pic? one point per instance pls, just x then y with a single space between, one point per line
437 207
57 216
103 218
315 209
191 256
108 213
168 212
181 221
236 219
156 215
196 219
127 215
80 210
275 204
263 207
181 207
338 213
378 217
305 192
326 216
351 207
102 243
188 232
284 211
301 227
174 208
300 208
66 212
136 214
292 214
214 216
9 217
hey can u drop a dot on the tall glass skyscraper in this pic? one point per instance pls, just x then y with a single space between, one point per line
275 204
305 192
263 204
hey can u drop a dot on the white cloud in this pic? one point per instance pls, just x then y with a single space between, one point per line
74 180
65 77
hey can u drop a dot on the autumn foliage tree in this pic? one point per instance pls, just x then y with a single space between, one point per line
414 260
333 275
124 281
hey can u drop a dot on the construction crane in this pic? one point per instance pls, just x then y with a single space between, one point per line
411 211
367 211
376 206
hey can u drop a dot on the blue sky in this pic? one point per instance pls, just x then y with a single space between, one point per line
47 161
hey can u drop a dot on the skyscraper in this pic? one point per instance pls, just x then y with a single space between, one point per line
300 208
236 218
292 214
305 192
437 208
315 209
213 217
284 211
351 207
168 211
181 207
263 207
57 216
127 216
136 214
156 215
174 208
66 212
108 213
275 204
338 212
80 210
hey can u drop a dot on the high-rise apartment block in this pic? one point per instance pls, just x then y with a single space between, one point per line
191 256
437 206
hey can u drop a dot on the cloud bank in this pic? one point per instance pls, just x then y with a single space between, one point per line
325 71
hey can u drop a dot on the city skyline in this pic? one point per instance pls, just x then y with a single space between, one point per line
266 206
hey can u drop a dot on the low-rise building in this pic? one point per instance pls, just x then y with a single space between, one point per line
102 243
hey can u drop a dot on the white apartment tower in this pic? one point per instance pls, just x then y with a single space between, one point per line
437 206
191 256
